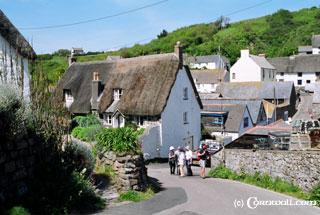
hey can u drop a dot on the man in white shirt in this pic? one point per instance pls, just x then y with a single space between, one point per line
189 161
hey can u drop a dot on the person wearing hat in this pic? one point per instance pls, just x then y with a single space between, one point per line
188 161
181 161
203 154
172 160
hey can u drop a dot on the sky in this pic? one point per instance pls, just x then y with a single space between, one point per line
127 29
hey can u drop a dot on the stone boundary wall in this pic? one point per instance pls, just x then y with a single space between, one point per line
302 168
130 170
17 163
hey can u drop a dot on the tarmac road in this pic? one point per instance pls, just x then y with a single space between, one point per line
194 196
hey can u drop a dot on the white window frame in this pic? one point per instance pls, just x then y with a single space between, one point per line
68 95
233 75
108 119
117 93
185 117
185 93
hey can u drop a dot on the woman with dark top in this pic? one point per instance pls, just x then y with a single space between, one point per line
172 160
203 154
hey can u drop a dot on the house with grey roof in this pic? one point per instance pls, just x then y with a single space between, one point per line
255 107
252 68
226 119
206 80
207 62
156 92
279 98
15 54
313 49
301 69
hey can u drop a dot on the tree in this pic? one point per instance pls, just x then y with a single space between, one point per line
162 34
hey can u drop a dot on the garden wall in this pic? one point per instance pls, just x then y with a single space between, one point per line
300 167
130 170
17 162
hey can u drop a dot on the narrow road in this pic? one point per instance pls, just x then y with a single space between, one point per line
305 105
195 196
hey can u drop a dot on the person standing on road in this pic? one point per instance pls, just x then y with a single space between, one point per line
181 161
172 160
189 161
203 154
177 163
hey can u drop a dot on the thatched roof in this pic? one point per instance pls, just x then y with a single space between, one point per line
14 37
146 83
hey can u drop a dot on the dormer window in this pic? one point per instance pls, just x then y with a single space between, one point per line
117 93
68 95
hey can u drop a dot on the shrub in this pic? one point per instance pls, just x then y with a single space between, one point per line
14 114
315 195
18 210
80 157
86 121
220 172
134 196
119 140
86 134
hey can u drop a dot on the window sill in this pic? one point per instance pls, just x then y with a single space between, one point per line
185 98
186 123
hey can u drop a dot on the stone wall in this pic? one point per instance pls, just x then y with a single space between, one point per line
130 170
300 167
17 161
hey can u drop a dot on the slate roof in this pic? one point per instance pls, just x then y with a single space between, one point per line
254 106
206 59
316 41
298 63
210 76
234 119
11 34
261 62
146 83
256 90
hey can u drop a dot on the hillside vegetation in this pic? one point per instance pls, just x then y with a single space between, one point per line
276 35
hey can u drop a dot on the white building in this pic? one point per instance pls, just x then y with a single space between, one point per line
155 92
301 69
252 68
313 49
15 53
206 80
208 62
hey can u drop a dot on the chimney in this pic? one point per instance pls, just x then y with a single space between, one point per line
245 53
96 90
178 52
71 60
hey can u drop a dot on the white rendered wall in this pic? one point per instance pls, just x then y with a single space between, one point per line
174 130
246 70
294 77
211 65
206 88
8 53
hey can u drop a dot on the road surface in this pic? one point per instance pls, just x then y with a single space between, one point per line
304 107
195 196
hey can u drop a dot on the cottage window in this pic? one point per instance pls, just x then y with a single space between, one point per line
299 74
317 73
217 121
308 81
108 119
185 93
245 122
233 75
299 82
68 95
117 93
282 73
185 117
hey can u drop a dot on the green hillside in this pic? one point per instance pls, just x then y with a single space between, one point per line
276 35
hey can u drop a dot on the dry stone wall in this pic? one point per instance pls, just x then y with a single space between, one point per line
130 170
302 168
17 162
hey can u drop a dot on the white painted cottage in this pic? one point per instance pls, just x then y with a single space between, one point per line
300 69
208 62
252 68
156 92
15 53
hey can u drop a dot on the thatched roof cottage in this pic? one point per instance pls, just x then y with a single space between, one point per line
15 53
156 92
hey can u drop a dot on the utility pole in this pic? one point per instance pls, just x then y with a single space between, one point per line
274 102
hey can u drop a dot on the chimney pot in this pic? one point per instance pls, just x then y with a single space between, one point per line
96 76
178 52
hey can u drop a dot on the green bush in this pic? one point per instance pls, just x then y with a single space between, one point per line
264 181
14 115
120 140
80 156
18 210
86 133
134 196
315 195
86 121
